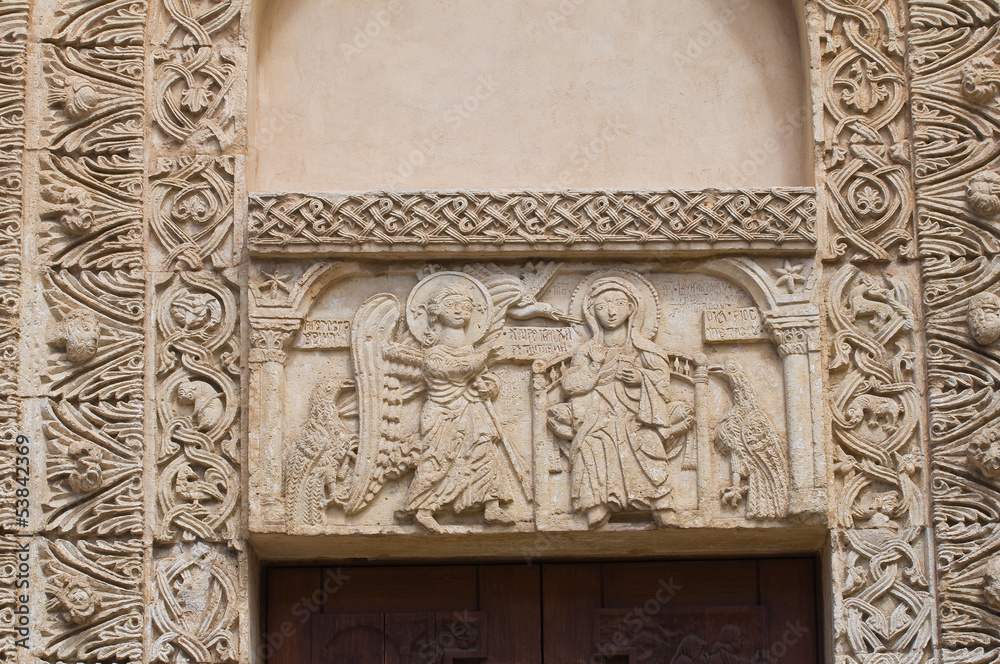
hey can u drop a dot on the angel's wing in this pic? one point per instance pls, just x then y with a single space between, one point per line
388 378
505 290
536 276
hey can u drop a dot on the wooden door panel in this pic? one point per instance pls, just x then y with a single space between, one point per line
414 589
347 638
410 637
788 589
709 612
290 593
399 638
726 635
511 597
571 595
725 583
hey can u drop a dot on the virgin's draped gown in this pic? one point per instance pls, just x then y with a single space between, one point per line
618 452
462 464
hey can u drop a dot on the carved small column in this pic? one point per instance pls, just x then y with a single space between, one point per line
699 455
793 335
268 338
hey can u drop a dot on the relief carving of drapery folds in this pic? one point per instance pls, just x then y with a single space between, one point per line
622 421
457 448
449 401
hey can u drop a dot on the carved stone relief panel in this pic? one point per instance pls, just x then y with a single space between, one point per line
533 395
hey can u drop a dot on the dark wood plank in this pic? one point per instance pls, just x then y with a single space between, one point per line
510 596
788 591
659 585
339 638
734 633
411 638
410 589
571 593
290 604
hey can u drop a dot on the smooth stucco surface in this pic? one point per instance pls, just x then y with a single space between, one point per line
485 94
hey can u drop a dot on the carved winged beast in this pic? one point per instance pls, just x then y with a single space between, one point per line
425 392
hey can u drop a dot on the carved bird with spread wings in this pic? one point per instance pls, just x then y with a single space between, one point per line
523 290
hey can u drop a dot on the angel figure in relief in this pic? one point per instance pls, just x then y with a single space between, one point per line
461 459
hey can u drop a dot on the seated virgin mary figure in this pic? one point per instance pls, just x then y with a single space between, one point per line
622 422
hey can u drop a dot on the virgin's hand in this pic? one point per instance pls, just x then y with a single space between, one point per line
628 375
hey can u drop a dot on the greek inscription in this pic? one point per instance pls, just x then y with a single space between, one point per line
325 333
725 325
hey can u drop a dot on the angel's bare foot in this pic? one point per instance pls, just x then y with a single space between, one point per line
496 514
426 519
597 516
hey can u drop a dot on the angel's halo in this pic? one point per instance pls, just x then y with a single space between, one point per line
416 304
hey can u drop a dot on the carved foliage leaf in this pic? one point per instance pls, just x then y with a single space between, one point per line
94 600
193 212
196 607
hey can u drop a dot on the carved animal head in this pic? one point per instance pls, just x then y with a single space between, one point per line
187 392
983 317
878 415
79 334
76 595
980 80
87 474
983 193
991 582
984 452
71 206
744 393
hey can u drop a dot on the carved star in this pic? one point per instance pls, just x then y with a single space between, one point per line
789 276
274 284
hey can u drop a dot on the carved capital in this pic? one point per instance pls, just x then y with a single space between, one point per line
269 338
793 334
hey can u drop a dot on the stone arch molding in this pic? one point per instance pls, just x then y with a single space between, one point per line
138 273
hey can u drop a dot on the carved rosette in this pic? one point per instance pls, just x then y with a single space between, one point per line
868 174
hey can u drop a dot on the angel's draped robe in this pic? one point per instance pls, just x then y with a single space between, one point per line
462 464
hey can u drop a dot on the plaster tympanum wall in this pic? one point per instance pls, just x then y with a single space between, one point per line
462 94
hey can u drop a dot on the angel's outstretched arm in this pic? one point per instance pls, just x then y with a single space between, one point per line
402 353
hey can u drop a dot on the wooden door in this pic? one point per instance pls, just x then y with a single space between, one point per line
692 612
718 612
